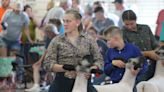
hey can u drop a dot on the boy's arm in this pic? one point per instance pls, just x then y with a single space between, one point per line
108 67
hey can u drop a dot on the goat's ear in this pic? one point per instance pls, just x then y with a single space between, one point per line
140 63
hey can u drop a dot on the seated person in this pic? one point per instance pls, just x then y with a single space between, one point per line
141 36
118 54
51 31
100 22
102 49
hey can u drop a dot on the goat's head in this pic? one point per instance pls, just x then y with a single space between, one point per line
135 62
85 64
160 52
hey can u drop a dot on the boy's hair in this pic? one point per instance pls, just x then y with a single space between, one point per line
113 30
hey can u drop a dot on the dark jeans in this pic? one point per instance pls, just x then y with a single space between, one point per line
99 80
64 84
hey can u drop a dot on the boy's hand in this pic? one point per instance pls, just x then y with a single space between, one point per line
118 63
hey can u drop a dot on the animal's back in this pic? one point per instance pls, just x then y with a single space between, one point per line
113 88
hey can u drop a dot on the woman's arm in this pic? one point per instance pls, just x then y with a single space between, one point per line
50 62
97 57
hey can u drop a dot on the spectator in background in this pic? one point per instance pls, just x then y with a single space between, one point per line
119 5
58 24
5 5
87 18
160 19
51 31
141 36
50 5
102 49
32 25
3 8
17 20
76 5
162 35
96 4
58 13
100 22
101 43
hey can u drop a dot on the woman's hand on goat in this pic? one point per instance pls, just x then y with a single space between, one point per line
151 54
87 75
70 74
118 63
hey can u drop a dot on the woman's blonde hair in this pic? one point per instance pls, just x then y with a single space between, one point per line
78 16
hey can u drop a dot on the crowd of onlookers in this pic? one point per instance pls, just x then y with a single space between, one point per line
71 32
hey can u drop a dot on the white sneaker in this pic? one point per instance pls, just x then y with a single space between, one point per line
35 88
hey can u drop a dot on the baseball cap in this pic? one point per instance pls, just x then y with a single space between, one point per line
118 1
52 28
17 5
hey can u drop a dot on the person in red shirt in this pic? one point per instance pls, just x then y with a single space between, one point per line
3 8
160 19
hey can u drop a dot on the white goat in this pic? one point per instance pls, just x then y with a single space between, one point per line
155 83
85 66
125 85
80 84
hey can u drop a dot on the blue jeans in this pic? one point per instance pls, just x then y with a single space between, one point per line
12 45
20 70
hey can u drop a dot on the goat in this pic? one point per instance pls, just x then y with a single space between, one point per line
154 84
128 80
126 84
84 66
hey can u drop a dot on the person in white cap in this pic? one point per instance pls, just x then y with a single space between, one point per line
16 20
58 13
51 31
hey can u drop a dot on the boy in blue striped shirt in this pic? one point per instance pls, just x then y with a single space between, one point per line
118 54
